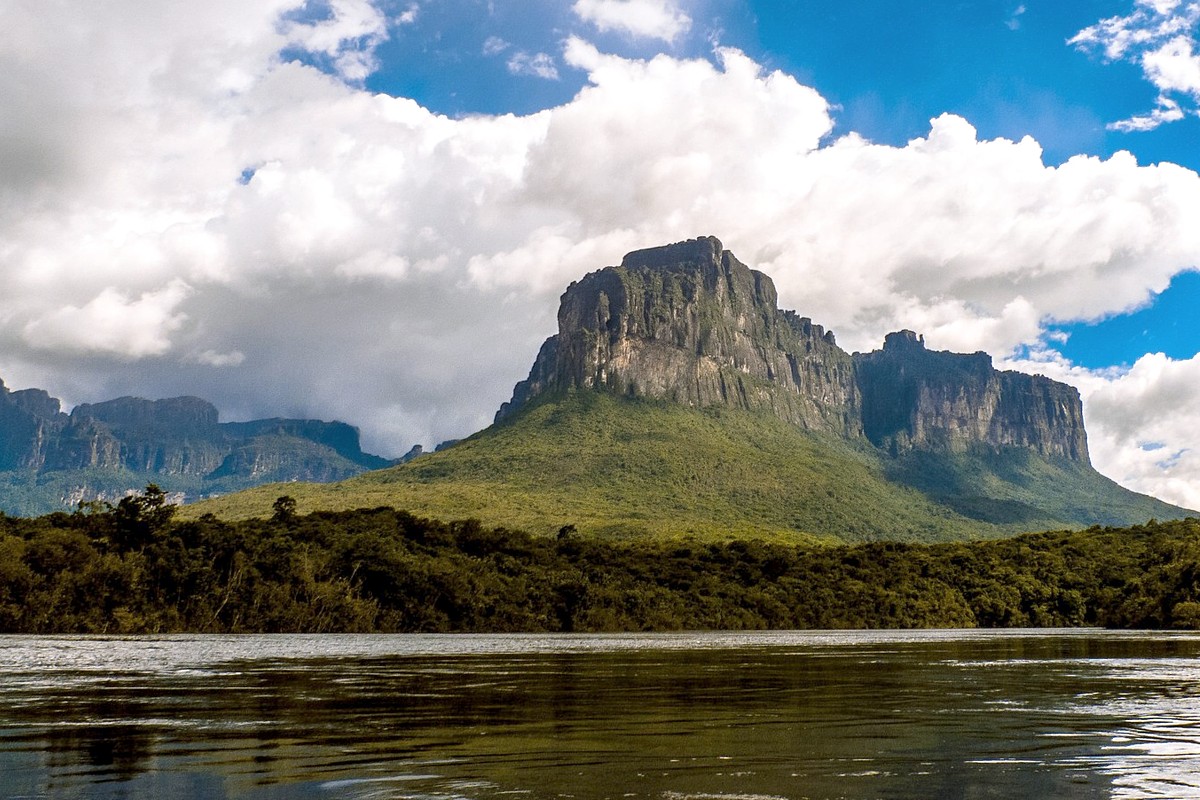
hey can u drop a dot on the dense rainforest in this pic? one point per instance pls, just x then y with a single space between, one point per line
133 568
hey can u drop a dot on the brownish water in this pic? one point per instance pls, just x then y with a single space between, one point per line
705 716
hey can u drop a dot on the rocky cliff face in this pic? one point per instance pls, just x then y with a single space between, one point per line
919 399
177 436
177 442
690 323
29 420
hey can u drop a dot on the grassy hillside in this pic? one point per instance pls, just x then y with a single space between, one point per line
613 467
1017 488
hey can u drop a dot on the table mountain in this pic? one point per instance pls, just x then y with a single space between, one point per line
690 323
50 459
677 398
919 399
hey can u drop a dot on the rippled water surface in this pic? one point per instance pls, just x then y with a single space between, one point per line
706 716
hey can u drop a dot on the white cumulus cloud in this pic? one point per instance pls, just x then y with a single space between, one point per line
1160 36
494 45
349 36
1143 422
652 19
190 210
537 65
112 323
1166 111
409 15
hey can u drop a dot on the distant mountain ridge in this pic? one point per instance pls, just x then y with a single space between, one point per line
50 459
677 398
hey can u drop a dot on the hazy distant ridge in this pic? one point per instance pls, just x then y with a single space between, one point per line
50 459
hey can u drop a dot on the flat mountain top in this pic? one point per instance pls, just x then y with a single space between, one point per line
50 460
676 398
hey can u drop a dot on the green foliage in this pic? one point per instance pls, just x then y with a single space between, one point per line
136 570
1016 487
616 467
138 520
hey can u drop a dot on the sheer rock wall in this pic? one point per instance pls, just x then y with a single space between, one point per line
690 323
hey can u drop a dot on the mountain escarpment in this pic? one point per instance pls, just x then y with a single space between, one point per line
919 399
690 323
50 459
677 399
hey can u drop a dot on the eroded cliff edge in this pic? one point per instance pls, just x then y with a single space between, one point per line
50 459
690 323
919 399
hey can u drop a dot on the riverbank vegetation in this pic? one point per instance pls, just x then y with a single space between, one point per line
133 568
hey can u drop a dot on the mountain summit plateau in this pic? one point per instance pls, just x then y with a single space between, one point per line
690 323
677 398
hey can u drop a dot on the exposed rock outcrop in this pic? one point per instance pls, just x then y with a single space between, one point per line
690 323
919 399
29 421
176 442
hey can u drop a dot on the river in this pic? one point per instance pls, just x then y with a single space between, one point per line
705 716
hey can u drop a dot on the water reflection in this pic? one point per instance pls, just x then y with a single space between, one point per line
1078 714
115 752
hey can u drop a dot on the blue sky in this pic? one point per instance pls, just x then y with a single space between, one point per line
888 66
367 209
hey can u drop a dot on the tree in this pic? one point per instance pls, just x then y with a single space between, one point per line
140 518
284 510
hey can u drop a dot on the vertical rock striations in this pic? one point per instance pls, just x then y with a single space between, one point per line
29 421
690 323
177 442
176 436
918 399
